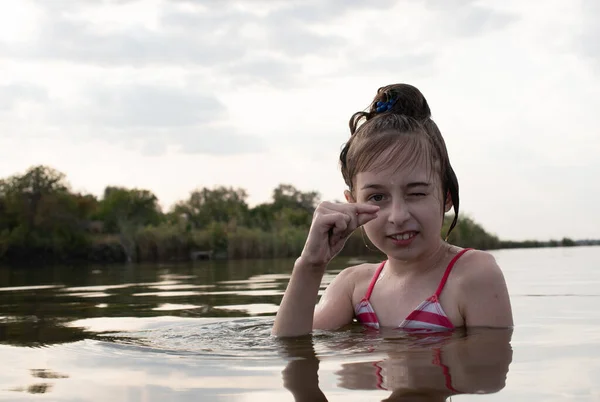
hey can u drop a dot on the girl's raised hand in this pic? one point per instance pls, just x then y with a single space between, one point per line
331 226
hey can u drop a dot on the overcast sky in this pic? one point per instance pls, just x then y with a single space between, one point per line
178 94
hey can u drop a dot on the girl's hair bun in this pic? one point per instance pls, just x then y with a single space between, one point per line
402 99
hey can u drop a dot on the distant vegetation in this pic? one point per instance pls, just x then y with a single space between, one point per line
42 219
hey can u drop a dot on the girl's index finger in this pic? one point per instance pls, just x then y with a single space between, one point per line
364 208
364 218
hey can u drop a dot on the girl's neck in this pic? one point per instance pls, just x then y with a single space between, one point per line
420 265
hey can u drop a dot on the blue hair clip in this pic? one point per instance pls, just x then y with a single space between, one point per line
385 106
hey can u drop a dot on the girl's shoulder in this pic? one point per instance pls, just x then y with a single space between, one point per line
350 282
476 257
360 272
476 267
358 277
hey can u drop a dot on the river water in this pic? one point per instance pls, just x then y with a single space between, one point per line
200 332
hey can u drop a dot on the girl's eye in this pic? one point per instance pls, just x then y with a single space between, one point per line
417 194
376 197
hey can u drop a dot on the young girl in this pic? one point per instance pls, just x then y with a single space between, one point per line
400 185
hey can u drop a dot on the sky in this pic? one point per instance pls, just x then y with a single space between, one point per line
175 95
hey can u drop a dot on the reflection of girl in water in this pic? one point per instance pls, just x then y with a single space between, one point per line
400 183
473 364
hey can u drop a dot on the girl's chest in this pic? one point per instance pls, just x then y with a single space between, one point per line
394 302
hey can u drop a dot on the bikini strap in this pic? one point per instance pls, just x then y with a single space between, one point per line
373 280
438 292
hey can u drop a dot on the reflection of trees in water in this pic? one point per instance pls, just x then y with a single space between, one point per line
40 388
39 333
36 303
44 373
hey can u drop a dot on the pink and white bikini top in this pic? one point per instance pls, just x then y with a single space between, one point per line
427 317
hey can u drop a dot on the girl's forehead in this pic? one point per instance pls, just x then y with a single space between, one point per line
394 178
398 175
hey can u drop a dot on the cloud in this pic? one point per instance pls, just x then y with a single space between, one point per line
267 42
469 18
11 94
263 70
264 43
208 36
76 41
400 62
81 33
155 119
148 106
199 140
588 43
215 141
219 141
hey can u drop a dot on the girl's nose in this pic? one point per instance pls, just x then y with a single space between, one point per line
399 213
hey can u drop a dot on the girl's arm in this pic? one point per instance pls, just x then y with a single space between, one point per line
299 312
332 224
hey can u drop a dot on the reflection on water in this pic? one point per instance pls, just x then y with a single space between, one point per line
238 358
412 369
40 388
202 332
35 303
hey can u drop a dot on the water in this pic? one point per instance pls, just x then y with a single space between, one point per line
201 332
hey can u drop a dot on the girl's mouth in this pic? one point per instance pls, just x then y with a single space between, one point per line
403 236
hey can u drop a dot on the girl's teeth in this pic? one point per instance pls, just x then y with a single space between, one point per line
404 236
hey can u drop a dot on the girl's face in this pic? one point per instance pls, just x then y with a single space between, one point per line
409 221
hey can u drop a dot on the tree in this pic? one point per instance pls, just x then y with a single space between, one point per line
288 196
567 242
22 194
220 204
290 207
468 233
39 216
127 207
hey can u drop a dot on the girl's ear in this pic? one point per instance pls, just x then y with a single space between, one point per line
448 206
349 196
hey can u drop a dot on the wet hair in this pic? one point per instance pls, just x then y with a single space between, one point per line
406 131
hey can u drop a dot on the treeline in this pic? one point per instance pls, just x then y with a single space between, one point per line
42 219
467 230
